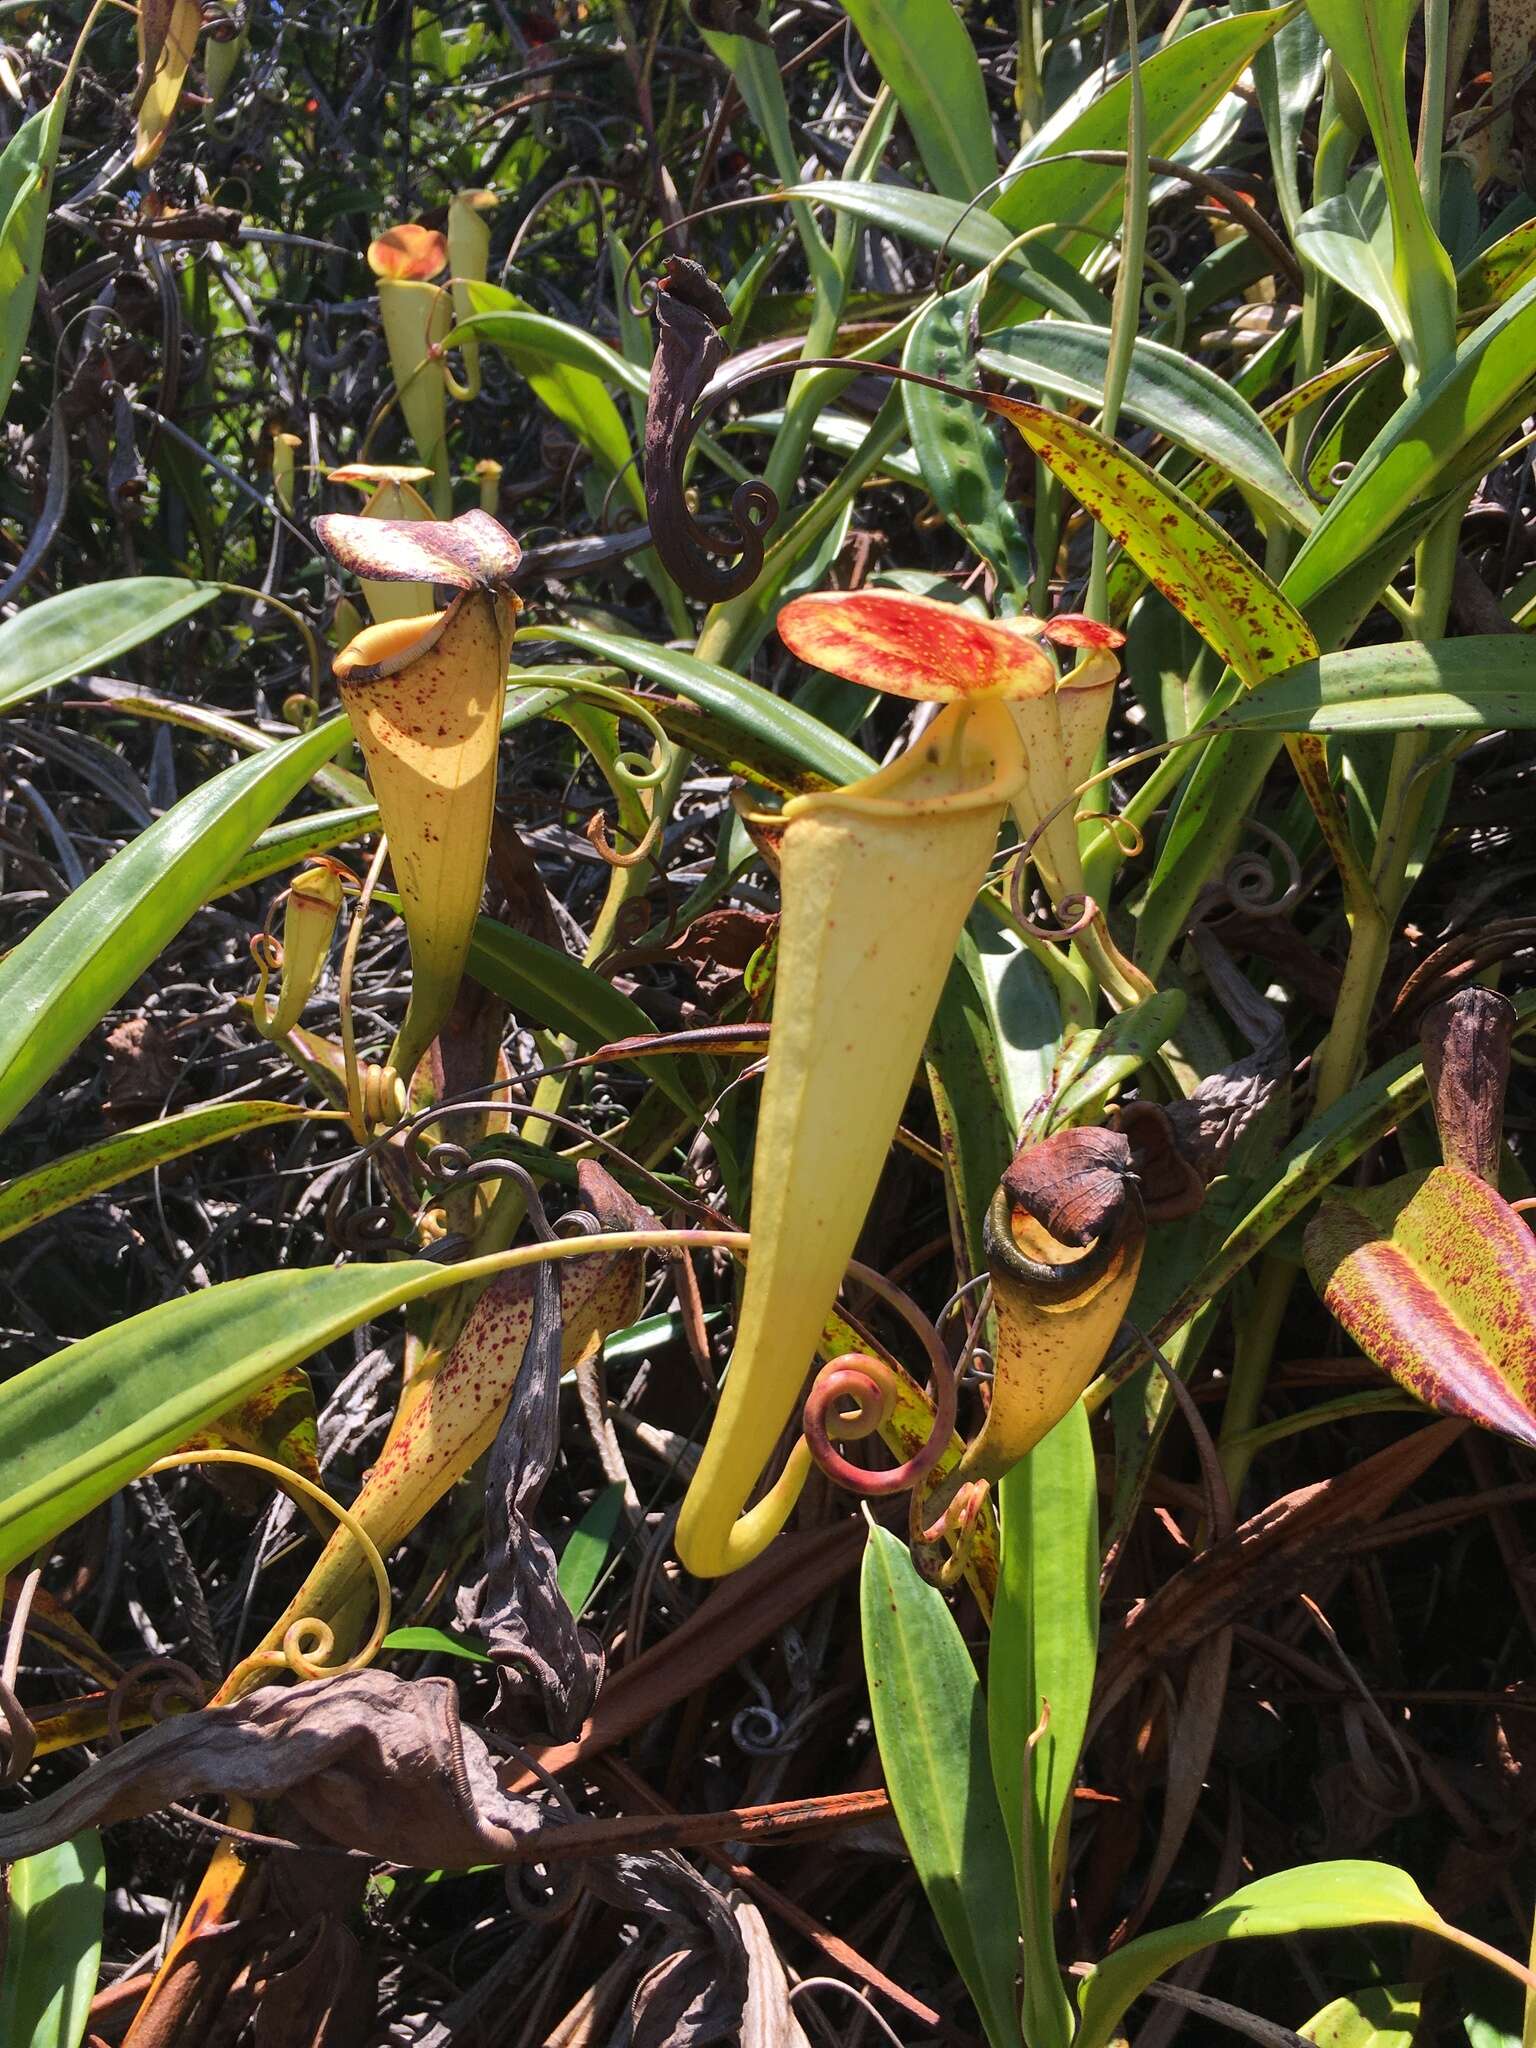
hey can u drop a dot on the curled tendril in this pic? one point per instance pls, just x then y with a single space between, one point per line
179 1683
869 1385
563 1881
1248 880
627 705
454 1166
383 1093
598 840
20 1738
1126 833
267 952
1079 914
370 1227
873 1388
309 1640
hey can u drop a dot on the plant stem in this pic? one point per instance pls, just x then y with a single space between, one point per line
1127 304
1371 937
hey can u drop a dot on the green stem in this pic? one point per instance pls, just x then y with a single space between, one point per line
1127 304
1437 36
1029 80
1407 789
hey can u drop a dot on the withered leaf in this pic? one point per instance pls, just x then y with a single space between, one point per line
384 1765
1466 1044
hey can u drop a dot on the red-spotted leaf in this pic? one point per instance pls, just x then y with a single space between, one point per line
1434 1276
1202 572
916 646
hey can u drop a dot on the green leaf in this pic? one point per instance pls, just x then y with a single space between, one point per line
85 628
925 55
1380 2016
1479 683
746 706
930 1724
968 234
577 398
297 840
586 1550
26 180
839 432
340 784
1444 436
62 1182
1498 271
64 976
1023 1011
1165 390
1286 75
1180 86
1045 1632
79 1425
964 1079
961 456
53 1944
1434 1276
433 1642
1349 238
1370 39
525 336
1290 1902
1439 441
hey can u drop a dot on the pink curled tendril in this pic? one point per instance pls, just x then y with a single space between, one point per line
873 1389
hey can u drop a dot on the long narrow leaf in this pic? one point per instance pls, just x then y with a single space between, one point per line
84 628
925 56
1166 390
930 1723
53 1944
63 977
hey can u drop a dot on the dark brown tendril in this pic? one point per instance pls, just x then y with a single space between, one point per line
371 1227
456 1167
872 1387
1247 882
250 1839
563 1881
178 1683
690 311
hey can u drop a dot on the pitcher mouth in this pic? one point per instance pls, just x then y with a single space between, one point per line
866 798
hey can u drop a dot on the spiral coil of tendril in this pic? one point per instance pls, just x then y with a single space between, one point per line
309 1640
873 1389
1078 913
